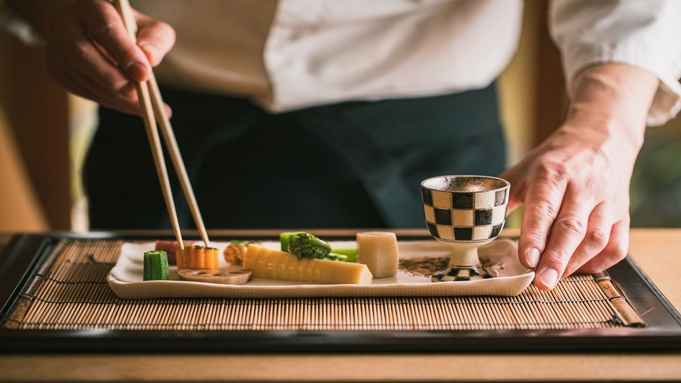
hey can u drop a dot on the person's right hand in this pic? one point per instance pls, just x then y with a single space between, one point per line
90 54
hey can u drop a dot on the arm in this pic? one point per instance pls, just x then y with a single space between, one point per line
622 62
575 185
89 53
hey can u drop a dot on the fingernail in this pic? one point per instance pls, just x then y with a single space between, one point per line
549 278
137 71
532 257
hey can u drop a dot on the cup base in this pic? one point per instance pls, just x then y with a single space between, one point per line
464 264
462 273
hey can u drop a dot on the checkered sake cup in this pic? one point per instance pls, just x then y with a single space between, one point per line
465 208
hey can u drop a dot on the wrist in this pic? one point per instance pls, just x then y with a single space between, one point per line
614 98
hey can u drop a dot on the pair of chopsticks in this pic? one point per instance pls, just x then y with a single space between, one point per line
151 104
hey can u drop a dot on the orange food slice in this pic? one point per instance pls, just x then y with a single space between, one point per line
197 257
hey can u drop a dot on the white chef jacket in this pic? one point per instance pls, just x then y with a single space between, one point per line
641 33
291 54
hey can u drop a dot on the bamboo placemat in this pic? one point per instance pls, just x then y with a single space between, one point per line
70 292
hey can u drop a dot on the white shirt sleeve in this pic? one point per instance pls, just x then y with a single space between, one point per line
17 26
645 34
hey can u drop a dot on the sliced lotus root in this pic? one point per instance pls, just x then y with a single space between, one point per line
228 276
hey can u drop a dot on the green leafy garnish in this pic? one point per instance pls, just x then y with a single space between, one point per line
285 239
341 255
308 246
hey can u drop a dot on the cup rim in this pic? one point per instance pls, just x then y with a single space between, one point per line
506 184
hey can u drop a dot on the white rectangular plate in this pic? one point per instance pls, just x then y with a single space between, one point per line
126 278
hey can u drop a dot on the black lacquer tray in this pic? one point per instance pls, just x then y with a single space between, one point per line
23 264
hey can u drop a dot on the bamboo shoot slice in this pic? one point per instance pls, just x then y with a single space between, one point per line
279 265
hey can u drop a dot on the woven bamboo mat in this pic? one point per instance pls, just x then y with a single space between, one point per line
70 292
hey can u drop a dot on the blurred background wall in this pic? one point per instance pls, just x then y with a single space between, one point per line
35 191
20 208
44 133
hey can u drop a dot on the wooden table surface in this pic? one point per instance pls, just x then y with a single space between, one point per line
657 251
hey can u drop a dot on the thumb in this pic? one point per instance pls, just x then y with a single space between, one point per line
154 37
516 194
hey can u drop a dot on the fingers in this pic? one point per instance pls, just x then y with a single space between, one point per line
565 224
104 25
597 237
90 53
155 38
542 203
614 251
82 86
79 57
75 63
581 237
575 188
568 232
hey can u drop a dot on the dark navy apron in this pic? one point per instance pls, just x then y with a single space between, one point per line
350 165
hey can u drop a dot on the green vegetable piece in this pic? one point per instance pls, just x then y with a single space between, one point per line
285 239
336 257
341 255
155 265
350 254
308 246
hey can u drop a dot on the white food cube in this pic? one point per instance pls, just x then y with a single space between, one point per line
378 250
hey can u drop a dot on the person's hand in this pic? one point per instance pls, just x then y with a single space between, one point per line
575 185
90 54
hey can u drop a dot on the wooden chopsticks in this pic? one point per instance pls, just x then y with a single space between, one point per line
151 104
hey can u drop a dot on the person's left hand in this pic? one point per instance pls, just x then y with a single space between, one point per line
575 185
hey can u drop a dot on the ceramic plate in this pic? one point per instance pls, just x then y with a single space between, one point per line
126 278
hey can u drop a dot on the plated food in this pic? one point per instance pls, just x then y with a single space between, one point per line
233 275
281 265
417 260
379 251
197 257
235 252
169 247
156 265
302 257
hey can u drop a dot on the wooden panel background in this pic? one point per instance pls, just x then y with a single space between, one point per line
37 110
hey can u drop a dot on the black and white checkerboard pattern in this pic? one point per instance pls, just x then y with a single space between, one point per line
460 274
464 216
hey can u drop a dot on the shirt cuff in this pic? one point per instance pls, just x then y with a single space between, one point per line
667 100
641 34
14 24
